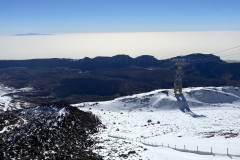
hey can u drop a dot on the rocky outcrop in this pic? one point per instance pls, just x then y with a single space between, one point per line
47 132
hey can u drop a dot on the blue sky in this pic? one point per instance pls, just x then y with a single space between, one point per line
71 16
80 28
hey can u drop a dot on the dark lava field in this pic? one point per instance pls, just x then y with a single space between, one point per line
48 132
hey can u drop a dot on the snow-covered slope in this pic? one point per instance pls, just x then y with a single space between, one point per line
7 103
165 99
203 117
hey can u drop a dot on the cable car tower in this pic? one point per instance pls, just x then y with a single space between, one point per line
179 75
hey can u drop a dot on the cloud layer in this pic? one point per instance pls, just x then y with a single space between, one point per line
159 44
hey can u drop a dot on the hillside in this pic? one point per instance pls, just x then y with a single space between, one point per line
202 117
48 131
135 127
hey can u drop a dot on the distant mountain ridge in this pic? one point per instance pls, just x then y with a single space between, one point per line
118 61
105 78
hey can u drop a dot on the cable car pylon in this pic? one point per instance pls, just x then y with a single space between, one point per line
179 75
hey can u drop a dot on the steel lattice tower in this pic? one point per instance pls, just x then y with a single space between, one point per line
179 75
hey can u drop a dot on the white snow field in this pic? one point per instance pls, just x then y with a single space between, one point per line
203 117
6 102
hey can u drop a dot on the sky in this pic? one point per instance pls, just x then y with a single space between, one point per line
68 24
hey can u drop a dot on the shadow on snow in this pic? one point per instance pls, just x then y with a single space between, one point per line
184 107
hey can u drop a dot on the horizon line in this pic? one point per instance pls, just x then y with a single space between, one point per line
108 57
102 32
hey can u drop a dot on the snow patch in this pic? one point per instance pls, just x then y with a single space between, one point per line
202 118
